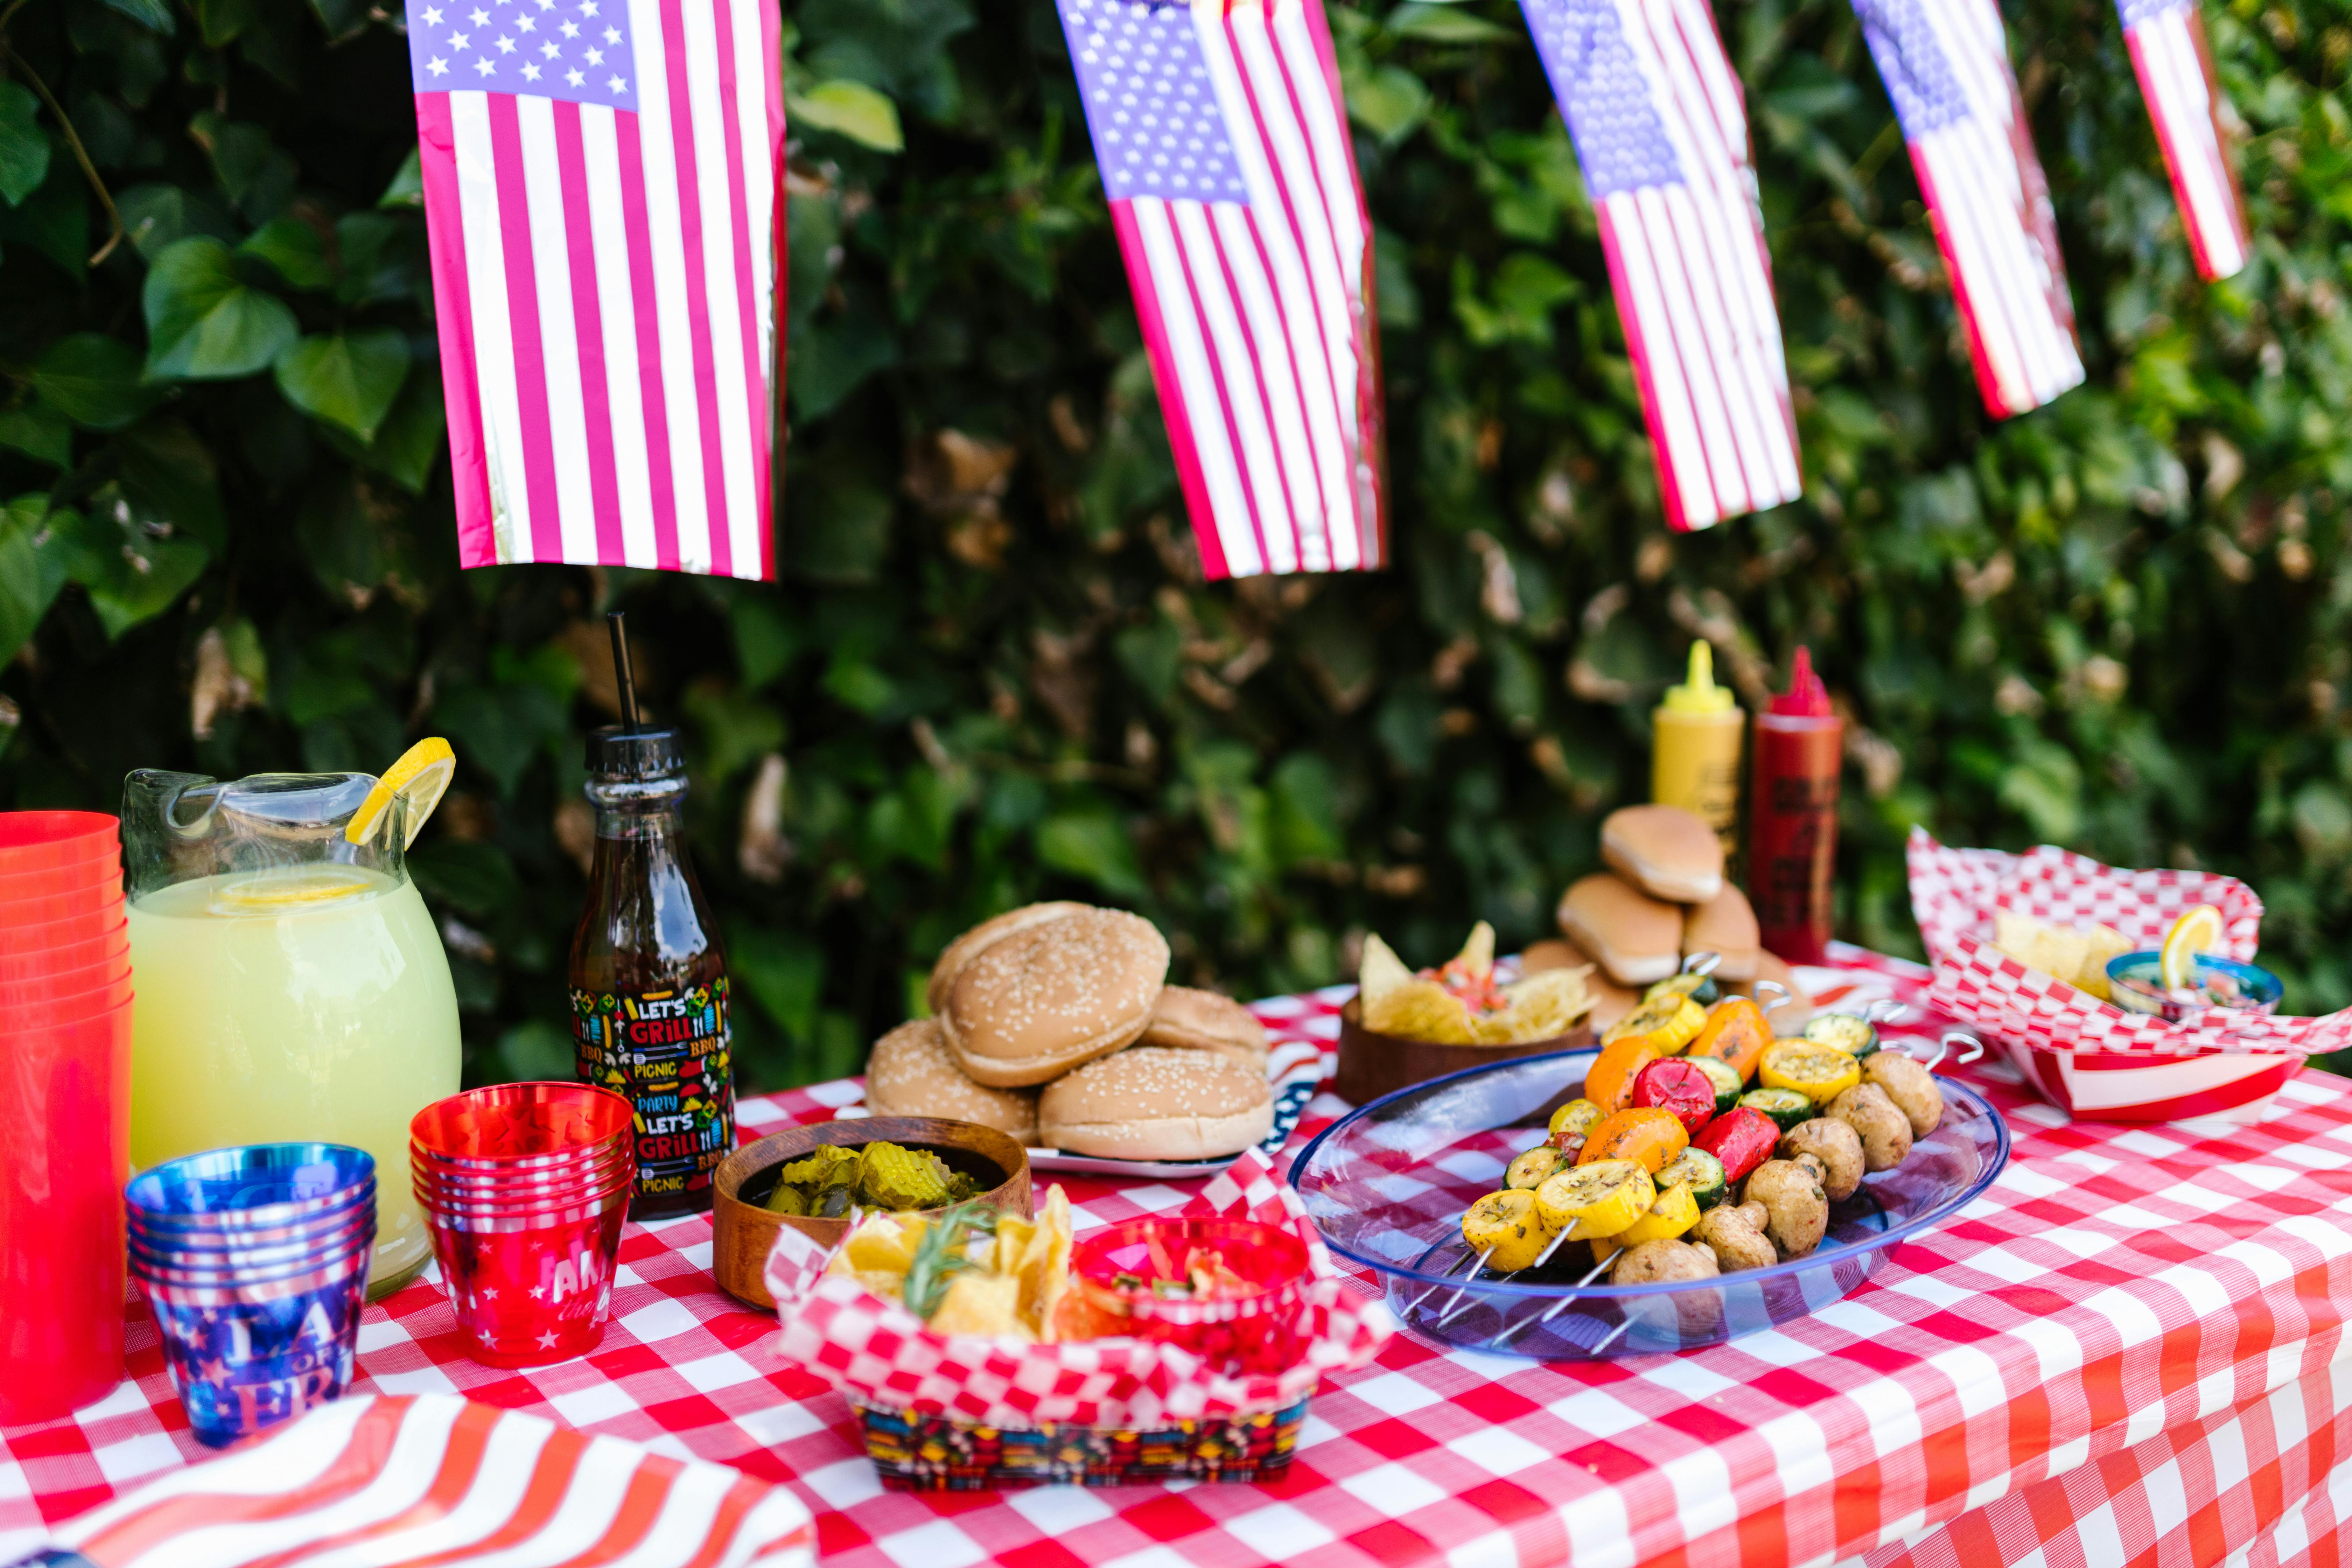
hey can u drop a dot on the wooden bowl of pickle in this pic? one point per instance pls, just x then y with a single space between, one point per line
816 1179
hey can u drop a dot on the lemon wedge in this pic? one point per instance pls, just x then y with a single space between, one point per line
2198 930
420 777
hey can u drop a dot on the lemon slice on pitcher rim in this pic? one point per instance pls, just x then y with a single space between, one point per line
420 777
2198 930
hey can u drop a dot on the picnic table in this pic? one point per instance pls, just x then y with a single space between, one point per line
2126 1351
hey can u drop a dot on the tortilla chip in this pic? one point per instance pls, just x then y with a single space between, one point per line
1478 955
1421 1010
1043 1270
1539 1007
978 1303
2106 942
1381 972
880 1242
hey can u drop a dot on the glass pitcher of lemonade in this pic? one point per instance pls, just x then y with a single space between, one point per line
292 985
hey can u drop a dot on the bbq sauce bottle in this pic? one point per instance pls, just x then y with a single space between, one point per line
649 975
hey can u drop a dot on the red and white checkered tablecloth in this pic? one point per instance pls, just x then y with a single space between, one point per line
2129 1351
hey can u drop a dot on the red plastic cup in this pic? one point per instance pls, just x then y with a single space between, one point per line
53 840
527 1292
40 908
59 1011
37 962
89 876
39 990
96 920
68 1089
521 1126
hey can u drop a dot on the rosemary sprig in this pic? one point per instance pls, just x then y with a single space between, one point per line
940 1255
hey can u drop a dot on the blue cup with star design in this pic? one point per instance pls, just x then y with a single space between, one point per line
255 1261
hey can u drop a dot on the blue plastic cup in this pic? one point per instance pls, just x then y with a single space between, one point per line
256 1262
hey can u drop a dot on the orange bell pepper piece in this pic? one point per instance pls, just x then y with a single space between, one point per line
1649 1136
1609 1081
1736 1033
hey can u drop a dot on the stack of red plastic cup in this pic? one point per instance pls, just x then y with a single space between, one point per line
524 1187
65 1014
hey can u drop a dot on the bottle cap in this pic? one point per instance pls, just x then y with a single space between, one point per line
1699 693
618 754
1806 698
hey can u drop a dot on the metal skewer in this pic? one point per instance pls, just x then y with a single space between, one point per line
1507 1335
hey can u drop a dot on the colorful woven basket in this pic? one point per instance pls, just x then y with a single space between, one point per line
944 1454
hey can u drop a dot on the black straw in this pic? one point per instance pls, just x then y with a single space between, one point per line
622 677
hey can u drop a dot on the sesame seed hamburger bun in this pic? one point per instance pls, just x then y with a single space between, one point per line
967 946
1053 995
1190 1020
913 1073
1154 1103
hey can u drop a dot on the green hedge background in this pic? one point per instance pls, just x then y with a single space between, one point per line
991 670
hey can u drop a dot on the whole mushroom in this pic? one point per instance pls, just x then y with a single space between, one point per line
1735 1233
1797 1210
1886 1131
1836 1145
1654 1261
1910 1086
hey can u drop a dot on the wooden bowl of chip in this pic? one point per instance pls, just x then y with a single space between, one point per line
1371 1065
742 1230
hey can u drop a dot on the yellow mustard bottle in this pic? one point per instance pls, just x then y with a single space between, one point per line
1694 749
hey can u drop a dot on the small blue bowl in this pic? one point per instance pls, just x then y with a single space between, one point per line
2133 981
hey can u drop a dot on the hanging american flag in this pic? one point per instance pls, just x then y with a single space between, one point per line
1945 66
2168 51
1223 149
601 188
433 1478
1661 131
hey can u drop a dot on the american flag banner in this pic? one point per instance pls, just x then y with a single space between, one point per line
2168 51
1946 65
1223 142
1661 131
603 183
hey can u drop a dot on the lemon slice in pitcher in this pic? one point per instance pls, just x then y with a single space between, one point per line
420 777
2198 930
291 888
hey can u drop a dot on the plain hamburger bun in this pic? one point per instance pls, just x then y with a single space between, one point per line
962 951
1610 1001
1154 1103
1190 1019
1054 994
1637 939
1724 925
1665 851
913 1073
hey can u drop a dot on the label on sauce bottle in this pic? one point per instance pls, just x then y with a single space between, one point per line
666 1052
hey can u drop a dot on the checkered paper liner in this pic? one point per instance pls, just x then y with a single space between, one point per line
1954 896
880 1353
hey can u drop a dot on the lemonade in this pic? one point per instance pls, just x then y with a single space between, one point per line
307 1001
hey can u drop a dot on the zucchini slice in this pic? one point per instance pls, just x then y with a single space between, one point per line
1857 1037
1786 1107
1700 1172
1700 988
1724 1076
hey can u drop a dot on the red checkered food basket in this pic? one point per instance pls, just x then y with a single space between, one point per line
1091 1398
2089 1057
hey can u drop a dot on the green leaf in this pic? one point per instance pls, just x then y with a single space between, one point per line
54 221
735 727
1443 24
94 381
850 108
23 145
258 174
132 572
39 432
155 216
407 187
345 378
153 14
784 973
204 323
475 879
33 566
169 475
412 435
294 248
1391 103
535 1052
501 729
1097 846
220 21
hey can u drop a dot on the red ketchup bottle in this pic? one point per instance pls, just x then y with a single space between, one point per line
1792 816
